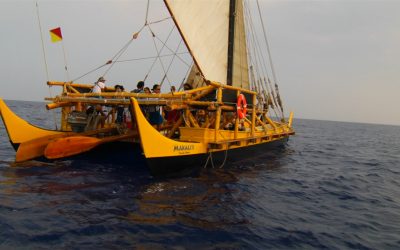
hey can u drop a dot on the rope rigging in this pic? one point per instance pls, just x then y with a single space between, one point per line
158 51
260 65
174 53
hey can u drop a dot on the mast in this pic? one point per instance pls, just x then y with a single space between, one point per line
231 41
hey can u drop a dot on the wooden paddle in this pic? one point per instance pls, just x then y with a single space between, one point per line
35 148
74 145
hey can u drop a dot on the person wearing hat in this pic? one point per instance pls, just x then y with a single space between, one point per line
98 88
99 85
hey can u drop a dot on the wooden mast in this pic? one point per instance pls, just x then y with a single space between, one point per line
231 40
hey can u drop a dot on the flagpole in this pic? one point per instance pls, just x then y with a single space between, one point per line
41 37
56 36
45 61
65 61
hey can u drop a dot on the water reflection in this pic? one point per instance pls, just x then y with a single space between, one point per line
68 201
211 200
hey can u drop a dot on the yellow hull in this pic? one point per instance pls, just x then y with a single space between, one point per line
197 146
200 140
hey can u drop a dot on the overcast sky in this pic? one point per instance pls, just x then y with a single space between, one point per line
335 60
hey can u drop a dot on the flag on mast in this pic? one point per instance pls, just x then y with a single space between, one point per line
55 35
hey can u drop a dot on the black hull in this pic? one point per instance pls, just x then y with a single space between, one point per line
126 153
164 166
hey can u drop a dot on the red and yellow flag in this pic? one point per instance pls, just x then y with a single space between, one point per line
56 35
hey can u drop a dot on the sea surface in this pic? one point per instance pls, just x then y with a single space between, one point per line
335 185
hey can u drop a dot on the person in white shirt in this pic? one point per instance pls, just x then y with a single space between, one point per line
99 85
98 88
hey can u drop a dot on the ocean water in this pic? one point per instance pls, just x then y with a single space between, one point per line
334 186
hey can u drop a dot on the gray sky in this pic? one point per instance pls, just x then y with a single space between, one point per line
335 60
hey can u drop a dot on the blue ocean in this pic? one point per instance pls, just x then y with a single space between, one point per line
335 185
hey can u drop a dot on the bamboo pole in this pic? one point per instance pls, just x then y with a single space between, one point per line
290 120
220 85
253 115
175 127
271 122
58 105
218 114
262 124
237 119
192 120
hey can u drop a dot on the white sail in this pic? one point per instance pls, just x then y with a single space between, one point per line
204 25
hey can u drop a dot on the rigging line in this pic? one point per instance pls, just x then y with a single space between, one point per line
45 62
186 75
257 51
159 21
172 60
261 86
154 62
150 57
265 86
250 38
256 82
252 44
273 94
41 37
269 52
252 78
183 61
252 41
147 11
161 63
136 34
65 60
273 101
266 42
121 51
91 71
258 47
118 55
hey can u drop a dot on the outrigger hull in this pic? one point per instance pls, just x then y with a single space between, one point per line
19 130
30 141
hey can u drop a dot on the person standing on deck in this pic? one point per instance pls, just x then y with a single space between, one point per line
139 87
99 85
93 120
155 116
120 108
